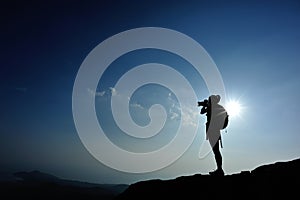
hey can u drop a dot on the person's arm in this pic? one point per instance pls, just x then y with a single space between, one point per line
203 110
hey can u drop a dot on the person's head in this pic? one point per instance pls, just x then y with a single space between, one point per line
214 99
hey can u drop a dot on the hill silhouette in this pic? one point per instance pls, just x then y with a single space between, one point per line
39 185
274 180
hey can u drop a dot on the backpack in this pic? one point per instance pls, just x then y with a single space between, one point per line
220 115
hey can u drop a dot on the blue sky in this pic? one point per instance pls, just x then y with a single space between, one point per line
254 44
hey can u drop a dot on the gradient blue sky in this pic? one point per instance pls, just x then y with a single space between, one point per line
255 45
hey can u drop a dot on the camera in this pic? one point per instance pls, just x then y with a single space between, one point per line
204 105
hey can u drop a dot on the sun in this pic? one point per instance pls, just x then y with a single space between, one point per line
233 108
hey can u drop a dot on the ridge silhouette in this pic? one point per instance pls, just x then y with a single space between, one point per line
266 181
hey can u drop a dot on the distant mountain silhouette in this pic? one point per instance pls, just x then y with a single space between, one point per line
37 176
38 185
280 179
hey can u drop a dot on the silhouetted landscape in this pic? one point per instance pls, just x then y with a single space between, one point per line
39 185
274 180
279 179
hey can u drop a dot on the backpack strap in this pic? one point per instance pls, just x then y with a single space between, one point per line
221 142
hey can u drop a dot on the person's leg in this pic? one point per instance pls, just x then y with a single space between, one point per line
214 140
217 154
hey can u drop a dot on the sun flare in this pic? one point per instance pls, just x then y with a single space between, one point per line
233 108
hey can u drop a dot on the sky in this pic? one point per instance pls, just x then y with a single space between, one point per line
253 44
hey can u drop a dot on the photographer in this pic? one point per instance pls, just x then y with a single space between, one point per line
215 121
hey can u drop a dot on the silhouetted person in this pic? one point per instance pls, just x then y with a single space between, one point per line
215 114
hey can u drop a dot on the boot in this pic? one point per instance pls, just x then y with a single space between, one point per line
218 172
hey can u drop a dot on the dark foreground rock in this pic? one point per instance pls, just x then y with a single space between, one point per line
275 180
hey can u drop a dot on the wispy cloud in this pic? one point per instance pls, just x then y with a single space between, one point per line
136 105
173 115
95 93
174 109
113 91
190 116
